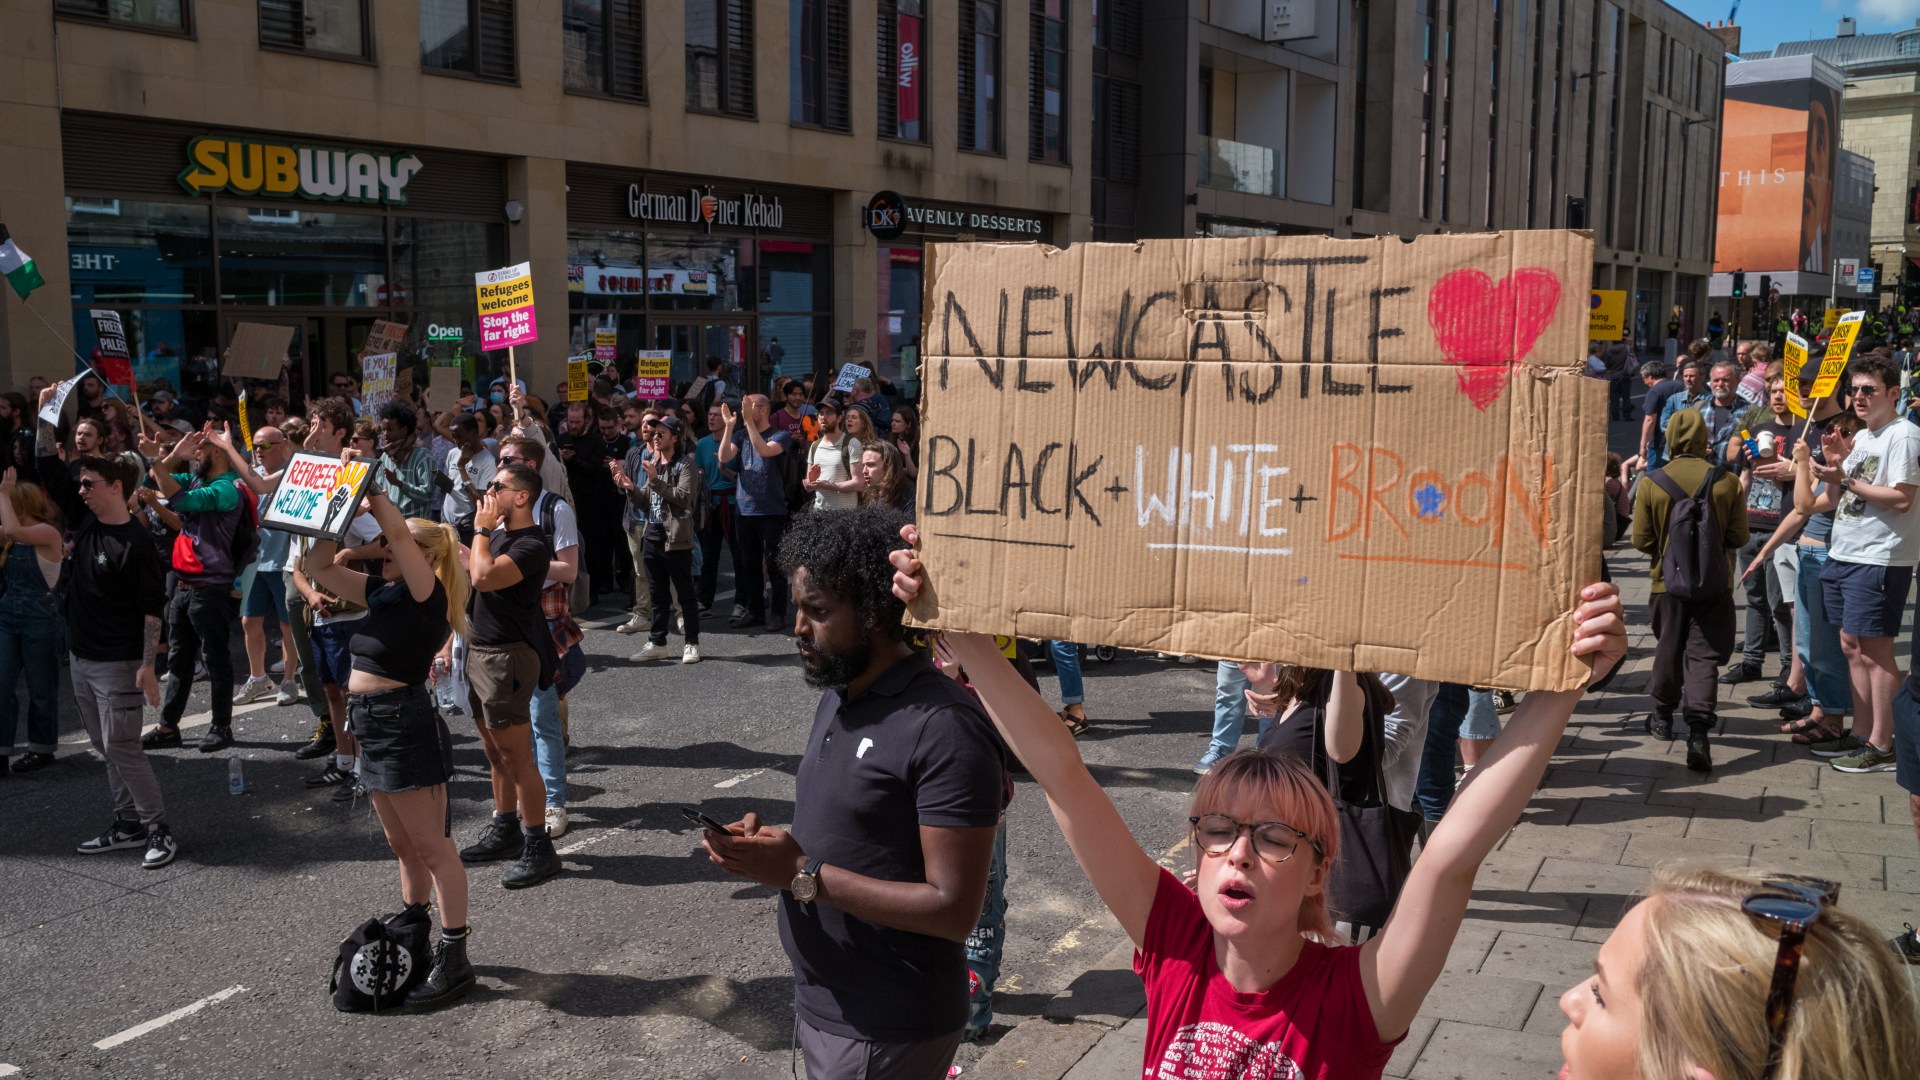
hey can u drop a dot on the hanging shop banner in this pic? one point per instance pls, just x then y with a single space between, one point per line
506 307
907 63
1607 315
578 381
318 496
650 377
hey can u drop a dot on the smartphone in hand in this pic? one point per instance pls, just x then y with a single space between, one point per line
702 820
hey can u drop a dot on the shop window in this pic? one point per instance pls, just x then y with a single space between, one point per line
325 260
166 343
696 273
124 252
902 99
896 349
794 276
979 76
172 16
434 261
1047 82
334 27
818 64
606 47
720 57
471 37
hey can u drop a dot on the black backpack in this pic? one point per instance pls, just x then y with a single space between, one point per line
1694 563
380 961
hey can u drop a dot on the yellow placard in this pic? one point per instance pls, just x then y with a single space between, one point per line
1839 348
246 429
1607 315
1793 358
578 380
1832 317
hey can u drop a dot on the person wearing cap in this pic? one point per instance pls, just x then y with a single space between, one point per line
662 492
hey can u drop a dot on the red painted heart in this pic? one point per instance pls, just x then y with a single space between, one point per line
1485 328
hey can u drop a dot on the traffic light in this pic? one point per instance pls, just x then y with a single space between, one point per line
1739 284
1766 288
1576 212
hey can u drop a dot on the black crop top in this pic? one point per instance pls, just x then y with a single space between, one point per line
400 636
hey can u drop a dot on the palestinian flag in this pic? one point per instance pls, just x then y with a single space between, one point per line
19 269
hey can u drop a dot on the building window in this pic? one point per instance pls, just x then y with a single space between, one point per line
337 27
473 37
979 76
606 47
1047 82
170 15
720 57
818 64
902 102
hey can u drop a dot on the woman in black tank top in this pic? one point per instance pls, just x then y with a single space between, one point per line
406 752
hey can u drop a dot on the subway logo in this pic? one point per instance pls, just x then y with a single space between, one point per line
288 171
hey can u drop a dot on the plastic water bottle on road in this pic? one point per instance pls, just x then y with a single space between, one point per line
236 781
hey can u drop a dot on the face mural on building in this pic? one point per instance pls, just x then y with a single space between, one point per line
1779 149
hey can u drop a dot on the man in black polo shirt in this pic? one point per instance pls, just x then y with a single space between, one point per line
895 809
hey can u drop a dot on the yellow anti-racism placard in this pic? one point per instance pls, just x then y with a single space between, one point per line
1607 315
1793 358
1839 348
578 382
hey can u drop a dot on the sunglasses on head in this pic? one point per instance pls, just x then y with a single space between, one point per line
1789 905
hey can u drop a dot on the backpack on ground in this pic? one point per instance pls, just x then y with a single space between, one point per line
1694 562
381 961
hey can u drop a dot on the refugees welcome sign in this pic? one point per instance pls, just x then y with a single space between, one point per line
1370 455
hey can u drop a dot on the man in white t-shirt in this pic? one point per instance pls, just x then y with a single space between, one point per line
1870 558
830 463
470 468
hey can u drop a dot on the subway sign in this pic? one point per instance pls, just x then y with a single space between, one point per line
292 171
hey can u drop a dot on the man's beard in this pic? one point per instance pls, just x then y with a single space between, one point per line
826 669
203 469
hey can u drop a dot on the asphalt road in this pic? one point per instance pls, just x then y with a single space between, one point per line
642 960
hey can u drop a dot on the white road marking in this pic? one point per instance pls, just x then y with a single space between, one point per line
736 780
8 1070
159 1022
599 836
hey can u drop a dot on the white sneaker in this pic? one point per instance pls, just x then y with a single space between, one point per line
556 822
690 654
279 668
256 688
289 693
650 652
633 625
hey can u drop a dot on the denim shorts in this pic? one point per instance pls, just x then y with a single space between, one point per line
267 596
1483 719
1906 738
331 661
1865 600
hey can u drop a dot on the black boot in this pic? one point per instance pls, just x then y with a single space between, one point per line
450 979
500 841
538 862
1660 725
1698 758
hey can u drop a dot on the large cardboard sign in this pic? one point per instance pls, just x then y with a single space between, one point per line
443 388
258 351
1354 454
317 496
506 307
385 337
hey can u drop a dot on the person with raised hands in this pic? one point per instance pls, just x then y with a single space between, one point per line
1242 976
413 605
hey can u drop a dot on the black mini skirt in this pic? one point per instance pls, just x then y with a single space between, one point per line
403 742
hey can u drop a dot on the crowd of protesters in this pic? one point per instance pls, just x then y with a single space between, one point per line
1333 860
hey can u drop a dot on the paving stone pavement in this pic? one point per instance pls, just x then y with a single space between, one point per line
1614 803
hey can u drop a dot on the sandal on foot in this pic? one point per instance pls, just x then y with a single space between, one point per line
1804 724
1076 725
1815 733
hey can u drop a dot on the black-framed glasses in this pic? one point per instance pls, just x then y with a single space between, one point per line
1867 390
1789 904
1274 841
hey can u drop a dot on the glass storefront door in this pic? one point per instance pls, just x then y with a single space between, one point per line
693 343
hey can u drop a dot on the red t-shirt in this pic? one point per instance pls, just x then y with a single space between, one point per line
1314 1024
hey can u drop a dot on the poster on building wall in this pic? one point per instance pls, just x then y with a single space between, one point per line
1778 150
506 307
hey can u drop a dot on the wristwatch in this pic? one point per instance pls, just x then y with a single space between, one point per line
1846 483
806 884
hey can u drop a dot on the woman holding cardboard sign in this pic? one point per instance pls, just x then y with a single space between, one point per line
1240 970
418 599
